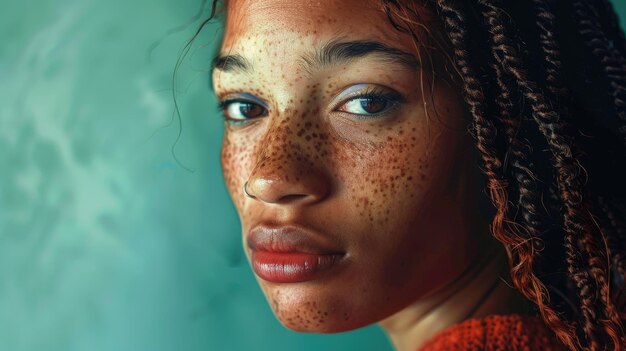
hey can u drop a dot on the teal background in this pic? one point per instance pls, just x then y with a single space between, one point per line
106 241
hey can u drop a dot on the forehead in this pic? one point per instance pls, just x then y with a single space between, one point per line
251 20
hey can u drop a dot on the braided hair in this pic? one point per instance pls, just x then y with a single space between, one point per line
544 83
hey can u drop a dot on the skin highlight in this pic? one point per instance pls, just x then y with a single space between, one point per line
397 192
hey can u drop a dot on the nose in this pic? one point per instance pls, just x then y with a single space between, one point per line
285 190
286 175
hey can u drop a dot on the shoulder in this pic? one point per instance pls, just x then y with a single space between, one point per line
497 333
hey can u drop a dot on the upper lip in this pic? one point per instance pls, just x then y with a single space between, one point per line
289 238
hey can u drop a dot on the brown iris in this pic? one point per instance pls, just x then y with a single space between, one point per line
373 105
250 110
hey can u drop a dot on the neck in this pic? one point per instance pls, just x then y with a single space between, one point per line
479 291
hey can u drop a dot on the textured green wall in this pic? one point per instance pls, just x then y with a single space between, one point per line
106 242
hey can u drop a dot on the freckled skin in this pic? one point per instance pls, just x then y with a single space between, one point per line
397 193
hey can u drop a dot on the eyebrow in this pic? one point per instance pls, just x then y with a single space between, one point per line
336 52
231 63
331 53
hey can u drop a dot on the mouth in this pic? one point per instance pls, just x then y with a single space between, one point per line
289 254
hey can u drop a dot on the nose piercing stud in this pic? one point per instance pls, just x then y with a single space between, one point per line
245 190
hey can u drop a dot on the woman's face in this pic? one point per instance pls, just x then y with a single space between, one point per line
362 186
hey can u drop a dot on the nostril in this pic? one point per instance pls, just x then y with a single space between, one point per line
284 192
290 186
294 198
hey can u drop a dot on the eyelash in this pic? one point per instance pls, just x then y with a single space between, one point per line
393 99
223 105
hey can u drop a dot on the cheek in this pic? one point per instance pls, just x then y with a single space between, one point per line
235 160
398 189
389 176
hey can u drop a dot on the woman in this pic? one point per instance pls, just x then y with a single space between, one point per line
361 136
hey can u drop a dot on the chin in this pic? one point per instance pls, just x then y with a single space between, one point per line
309 310
317 323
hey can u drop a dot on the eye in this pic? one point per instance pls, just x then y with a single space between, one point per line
371 102
241 110
365 105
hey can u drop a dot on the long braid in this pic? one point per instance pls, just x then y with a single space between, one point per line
615 68
612 61
551 70
529 199
584 243
575 219
546 22
484 129
551 64
523 272
617 247
600 268
550 47
528 283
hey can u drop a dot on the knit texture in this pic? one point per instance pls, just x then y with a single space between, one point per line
495 333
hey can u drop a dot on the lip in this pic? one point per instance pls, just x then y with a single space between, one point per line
290 254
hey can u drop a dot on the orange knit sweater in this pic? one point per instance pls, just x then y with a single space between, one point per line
495 333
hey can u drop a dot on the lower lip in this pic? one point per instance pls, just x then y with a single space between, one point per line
291 267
